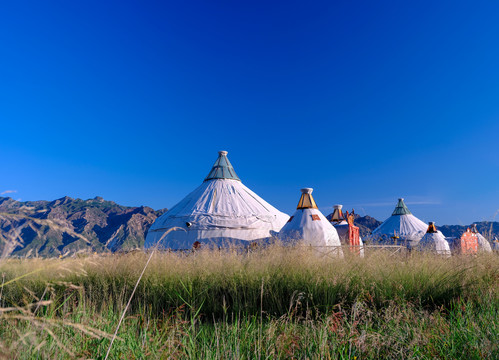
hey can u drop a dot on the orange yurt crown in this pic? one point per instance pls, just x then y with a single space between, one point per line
431 228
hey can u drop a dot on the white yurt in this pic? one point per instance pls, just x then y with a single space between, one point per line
344 229
221 211
434 241
309 226
483 243
401 228
495 244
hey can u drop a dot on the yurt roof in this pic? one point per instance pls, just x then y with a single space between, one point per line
401 208
338 216
222 169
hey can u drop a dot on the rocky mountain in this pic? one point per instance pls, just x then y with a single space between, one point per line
366 223
53 228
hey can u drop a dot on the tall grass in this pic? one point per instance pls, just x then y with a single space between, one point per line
268 303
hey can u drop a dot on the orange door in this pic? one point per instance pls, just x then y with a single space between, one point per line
354 239
469 243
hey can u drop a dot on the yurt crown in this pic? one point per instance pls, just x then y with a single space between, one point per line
431 228
222 169
306 200
401 208
337 214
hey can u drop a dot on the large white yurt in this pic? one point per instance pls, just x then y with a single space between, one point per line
347 231
221 211
483 243
401 228
309 226
434 241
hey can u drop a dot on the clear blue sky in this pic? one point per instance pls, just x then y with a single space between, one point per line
364 101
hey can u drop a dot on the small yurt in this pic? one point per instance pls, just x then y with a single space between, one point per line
221 211
401 228
434 241
483 243
495 245
309 226
347 231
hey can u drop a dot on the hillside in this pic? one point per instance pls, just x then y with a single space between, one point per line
51 228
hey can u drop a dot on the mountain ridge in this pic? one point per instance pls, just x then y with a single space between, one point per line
52 228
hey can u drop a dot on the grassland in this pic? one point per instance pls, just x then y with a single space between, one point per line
270 303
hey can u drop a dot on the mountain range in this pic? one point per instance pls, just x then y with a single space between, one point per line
68 226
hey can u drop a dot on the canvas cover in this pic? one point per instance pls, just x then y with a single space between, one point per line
402 225
434 242
483 243
221 211
309 226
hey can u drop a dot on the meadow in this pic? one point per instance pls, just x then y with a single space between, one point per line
277 302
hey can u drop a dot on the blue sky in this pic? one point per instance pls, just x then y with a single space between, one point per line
364 101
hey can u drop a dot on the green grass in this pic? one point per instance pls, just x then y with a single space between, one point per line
271 303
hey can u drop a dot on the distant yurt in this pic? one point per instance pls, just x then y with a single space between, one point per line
434 241
309 226
401 228
220 212
347 231
495 245
483 243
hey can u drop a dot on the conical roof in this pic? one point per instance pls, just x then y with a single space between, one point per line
337 216
401 208
402 227
306 199
309 226
431 228
221 210
222 169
